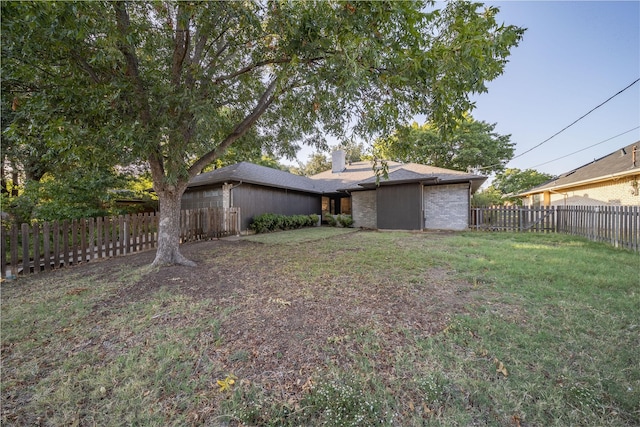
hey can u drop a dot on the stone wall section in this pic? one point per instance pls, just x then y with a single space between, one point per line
446 207
364 208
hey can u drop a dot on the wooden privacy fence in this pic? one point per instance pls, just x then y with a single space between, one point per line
32 248
617 225
200 224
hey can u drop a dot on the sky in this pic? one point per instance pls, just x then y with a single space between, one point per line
573 57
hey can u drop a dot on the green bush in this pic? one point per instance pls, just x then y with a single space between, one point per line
330 219
268 222
341 220
345 220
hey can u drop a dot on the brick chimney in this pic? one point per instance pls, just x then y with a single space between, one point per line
337 161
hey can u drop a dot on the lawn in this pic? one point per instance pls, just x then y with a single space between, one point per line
331 327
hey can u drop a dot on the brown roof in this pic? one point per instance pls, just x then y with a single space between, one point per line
256 174
355 176
614 165
361 175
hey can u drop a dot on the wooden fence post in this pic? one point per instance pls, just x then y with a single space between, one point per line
36 248
46 245
25 249
56 244
3 251
14 250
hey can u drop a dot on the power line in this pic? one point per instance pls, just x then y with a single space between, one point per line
586 148
576 121
569 125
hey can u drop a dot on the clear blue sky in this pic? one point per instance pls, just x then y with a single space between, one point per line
574 55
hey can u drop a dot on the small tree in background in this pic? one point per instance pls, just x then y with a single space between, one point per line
508 183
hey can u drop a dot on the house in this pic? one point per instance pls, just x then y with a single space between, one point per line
411 197
611 180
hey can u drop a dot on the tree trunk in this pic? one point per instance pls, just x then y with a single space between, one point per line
168 252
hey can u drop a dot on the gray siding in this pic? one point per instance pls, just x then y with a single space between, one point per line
255 200
400 207
364 209
446 207
211 197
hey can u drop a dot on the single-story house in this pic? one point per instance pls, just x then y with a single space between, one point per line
612 180
412 197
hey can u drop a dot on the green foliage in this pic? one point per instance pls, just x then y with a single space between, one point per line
269 222
330 219
489 196
466 145
175 84
515 181
341 220
79 194
345 220
354 152
317 163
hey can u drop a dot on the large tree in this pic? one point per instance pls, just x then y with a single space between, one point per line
177 83
465 145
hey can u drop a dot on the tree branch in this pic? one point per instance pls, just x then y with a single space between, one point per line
259 64
240 130
132 71
86 67
181 45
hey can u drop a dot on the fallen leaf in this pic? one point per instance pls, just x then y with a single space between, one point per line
280 301
226 383
500 368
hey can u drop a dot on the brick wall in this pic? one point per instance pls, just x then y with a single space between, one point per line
616 193
446 207
364 209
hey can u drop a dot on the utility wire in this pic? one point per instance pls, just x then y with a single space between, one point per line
586 148
569 125
576 121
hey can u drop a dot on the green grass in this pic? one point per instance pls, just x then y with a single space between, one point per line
538 330
293 237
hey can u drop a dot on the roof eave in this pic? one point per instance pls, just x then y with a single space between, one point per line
254 182
579 183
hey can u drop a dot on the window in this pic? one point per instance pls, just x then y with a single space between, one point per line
535 200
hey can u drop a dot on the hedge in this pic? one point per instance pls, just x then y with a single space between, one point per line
269 222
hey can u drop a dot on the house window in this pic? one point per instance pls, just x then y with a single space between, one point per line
336 205
345 205
535 200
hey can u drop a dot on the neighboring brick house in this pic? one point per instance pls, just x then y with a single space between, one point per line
411 197
612 180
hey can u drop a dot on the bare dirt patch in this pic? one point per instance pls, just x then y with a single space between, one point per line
282 329
286 313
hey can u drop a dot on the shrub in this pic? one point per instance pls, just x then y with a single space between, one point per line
331 220
345 220
269 222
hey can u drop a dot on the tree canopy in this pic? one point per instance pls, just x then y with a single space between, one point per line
515 181
508 183
175 84
466 145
